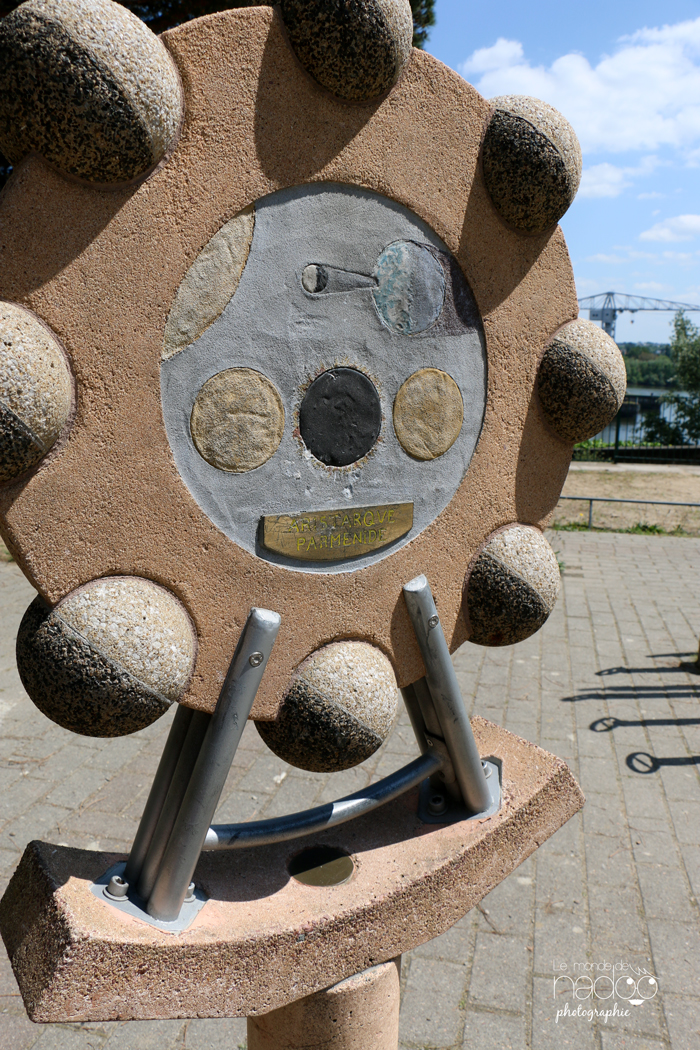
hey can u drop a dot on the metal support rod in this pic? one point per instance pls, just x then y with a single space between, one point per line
171 807
414 713
648 502
280 829
425 702
446 695
158 793
213 763
590 514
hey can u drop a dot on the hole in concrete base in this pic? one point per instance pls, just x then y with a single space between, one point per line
321 866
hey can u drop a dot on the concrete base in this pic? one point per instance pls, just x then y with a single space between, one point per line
264 940
359 1013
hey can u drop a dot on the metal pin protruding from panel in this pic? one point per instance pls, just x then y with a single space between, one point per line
447 702
191 776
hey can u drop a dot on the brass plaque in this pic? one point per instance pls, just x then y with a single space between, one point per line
333 535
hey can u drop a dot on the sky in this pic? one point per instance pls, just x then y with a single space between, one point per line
627 77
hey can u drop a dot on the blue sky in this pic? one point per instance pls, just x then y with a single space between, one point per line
627 77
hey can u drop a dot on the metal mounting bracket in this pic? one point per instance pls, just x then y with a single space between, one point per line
155 883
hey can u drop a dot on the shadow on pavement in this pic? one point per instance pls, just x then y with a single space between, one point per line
642 762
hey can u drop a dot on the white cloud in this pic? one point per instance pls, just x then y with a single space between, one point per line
684 258
643 96
679 228
603 180
653 286
609 180
654 195
603 258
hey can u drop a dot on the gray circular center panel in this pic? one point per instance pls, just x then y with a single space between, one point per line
336 277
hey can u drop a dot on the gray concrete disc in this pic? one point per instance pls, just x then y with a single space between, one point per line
274 325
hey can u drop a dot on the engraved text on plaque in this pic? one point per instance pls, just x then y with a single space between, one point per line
333 535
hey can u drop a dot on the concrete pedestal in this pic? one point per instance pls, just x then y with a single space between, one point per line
264 940
359 1013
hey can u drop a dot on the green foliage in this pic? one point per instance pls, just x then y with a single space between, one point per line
649 364
645 529
423 18
644 351
642 528
685 354
685 351
592 449
657 370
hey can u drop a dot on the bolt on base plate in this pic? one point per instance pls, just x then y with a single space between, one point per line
134 906
438 807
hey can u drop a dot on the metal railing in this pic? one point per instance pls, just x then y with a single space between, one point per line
590 500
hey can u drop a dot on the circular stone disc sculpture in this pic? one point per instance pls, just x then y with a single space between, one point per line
328 344
109 659
36 391
581 382
355 49
339 708
102 112
531 162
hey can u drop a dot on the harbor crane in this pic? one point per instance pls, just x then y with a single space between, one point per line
607 305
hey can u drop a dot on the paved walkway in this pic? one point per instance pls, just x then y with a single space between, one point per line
606 685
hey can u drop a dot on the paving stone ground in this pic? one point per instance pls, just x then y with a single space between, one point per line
607 685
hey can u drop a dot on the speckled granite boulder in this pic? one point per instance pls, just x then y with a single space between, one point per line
531 162
35 391
338 710
89 86
109 659
512 587
354 48
581 381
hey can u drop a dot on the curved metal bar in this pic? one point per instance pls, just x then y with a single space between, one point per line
294 826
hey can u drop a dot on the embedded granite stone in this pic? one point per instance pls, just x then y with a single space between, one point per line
354 48
512 587
209 283
428 413
581 381
89 86
531 162
35 391
109 659
237 420
338 709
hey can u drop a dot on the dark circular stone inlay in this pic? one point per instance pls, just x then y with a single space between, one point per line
340 416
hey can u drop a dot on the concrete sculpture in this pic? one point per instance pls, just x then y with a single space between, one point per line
286 323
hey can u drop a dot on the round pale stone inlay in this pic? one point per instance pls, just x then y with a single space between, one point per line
428 413
237 420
